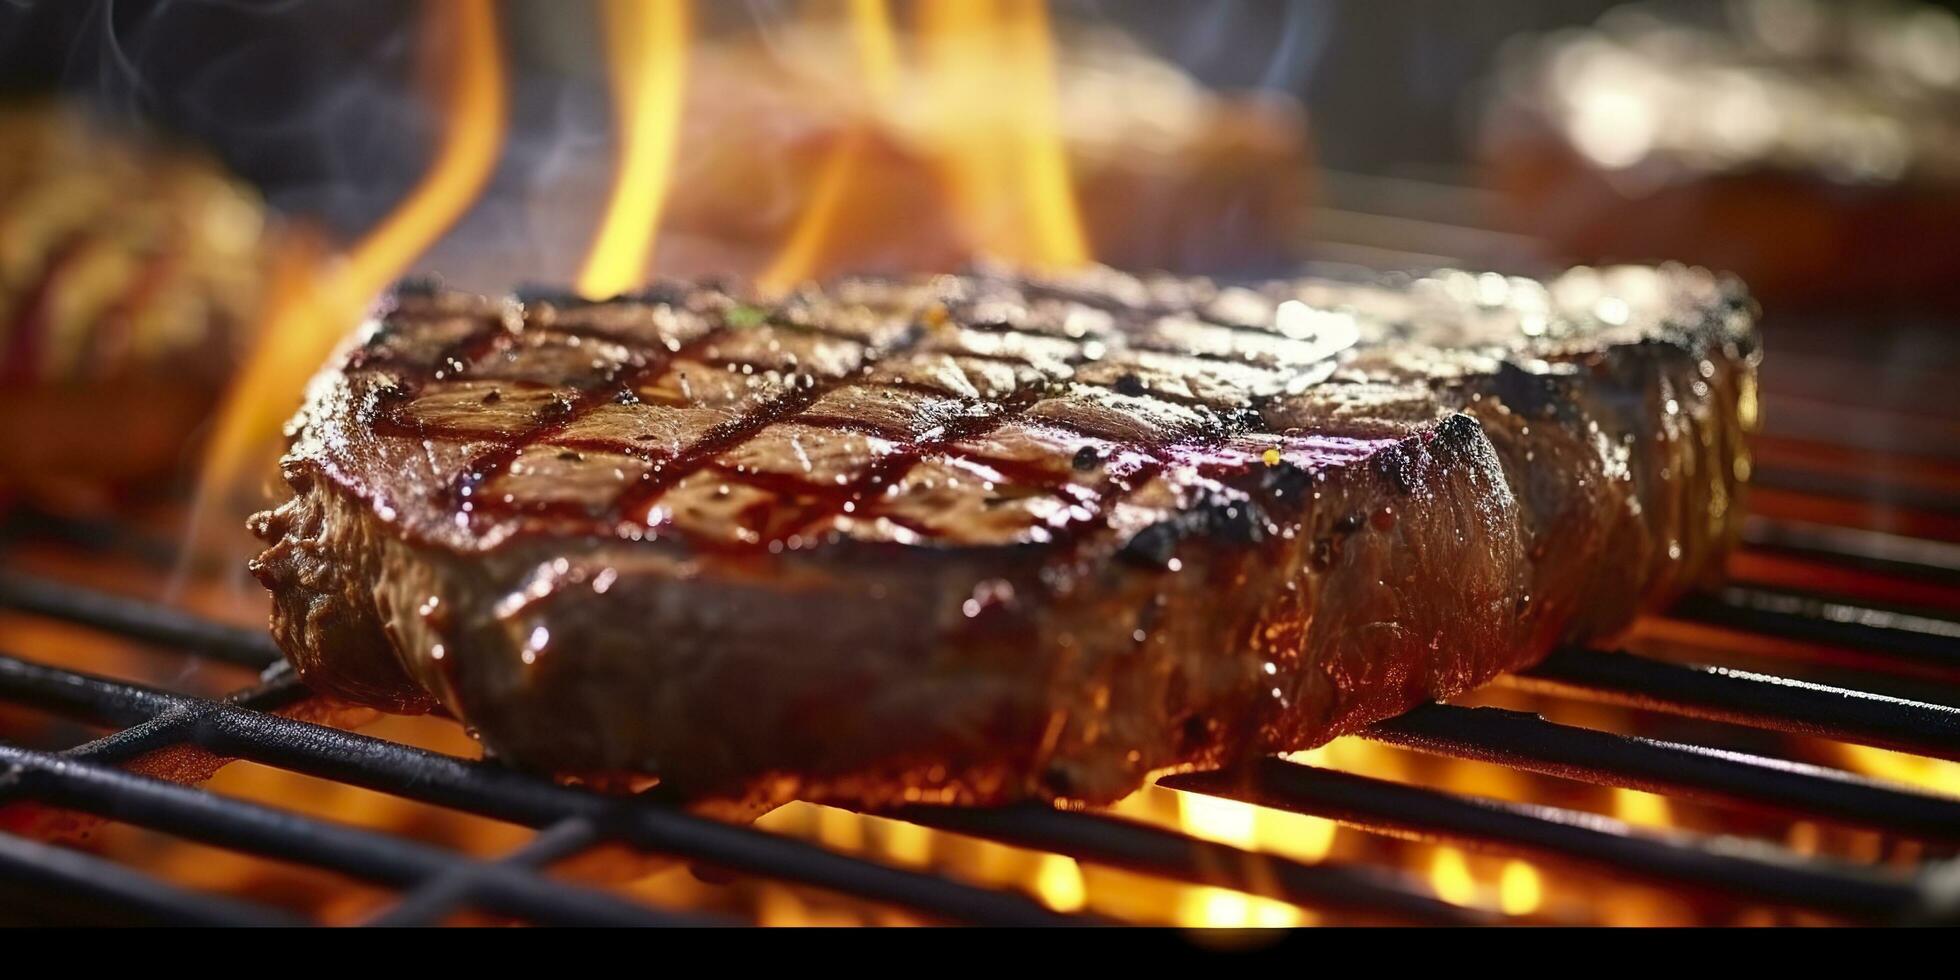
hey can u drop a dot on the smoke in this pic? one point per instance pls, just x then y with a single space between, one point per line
1274 45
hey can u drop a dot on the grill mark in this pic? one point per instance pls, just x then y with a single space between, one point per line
490 335
636 500
820 501
625 378
489 339
33 319
896 466
114 333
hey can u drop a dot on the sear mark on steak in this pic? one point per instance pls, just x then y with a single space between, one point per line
988 537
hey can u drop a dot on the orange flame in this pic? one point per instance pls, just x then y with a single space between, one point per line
315 310
877 48
991 82
646 51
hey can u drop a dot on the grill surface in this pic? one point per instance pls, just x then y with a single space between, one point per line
1875 609
434 883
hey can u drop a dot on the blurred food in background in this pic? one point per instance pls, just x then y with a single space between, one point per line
1811 147
1166 173
129 275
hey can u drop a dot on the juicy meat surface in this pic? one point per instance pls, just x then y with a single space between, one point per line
988 537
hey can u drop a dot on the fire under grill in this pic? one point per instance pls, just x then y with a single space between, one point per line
1844 607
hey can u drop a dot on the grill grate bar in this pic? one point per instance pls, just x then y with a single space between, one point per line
1876 551
428 904
1138 847
504 794
129 744
567 818
1914 639
1744 869
31 865
184 811
147 621
1744 698
1528 742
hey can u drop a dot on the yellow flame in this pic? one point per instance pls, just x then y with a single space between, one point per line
877 49
1058 880
908 843
646 51
1222 908
1936 775
1450 876
305 320
1519 890
1642 809
992 87
1217 819
840 829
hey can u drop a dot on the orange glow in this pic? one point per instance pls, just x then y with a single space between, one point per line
1219 908
1449 874
990 82
314 303
1224 821
1058 880
1642 809
646 52
1921 772
877 50
1519 890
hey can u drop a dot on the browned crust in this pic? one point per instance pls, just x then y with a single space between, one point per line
866 671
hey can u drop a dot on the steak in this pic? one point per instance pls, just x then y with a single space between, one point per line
995 536
130 282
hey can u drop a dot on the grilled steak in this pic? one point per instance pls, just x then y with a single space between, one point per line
987 537
129 278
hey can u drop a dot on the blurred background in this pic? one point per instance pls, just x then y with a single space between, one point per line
314 103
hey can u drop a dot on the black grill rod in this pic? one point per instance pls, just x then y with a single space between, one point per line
1914 639
1876 551
1755 700
1528 742
427 904
147 621
32 864
173 726
1749 870
493 791
1139 847
28 523
114 794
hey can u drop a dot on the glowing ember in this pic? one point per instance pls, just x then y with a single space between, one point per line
1059 883
1449 874
1519 890
1642 809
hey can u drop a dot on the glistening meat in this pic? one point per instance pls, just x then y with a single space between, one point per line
995 536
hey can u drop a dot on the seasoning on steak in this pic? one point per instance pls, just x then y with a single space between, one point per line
987 537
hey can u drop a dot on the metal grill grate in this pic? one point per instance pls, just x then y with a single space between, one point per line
433 883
